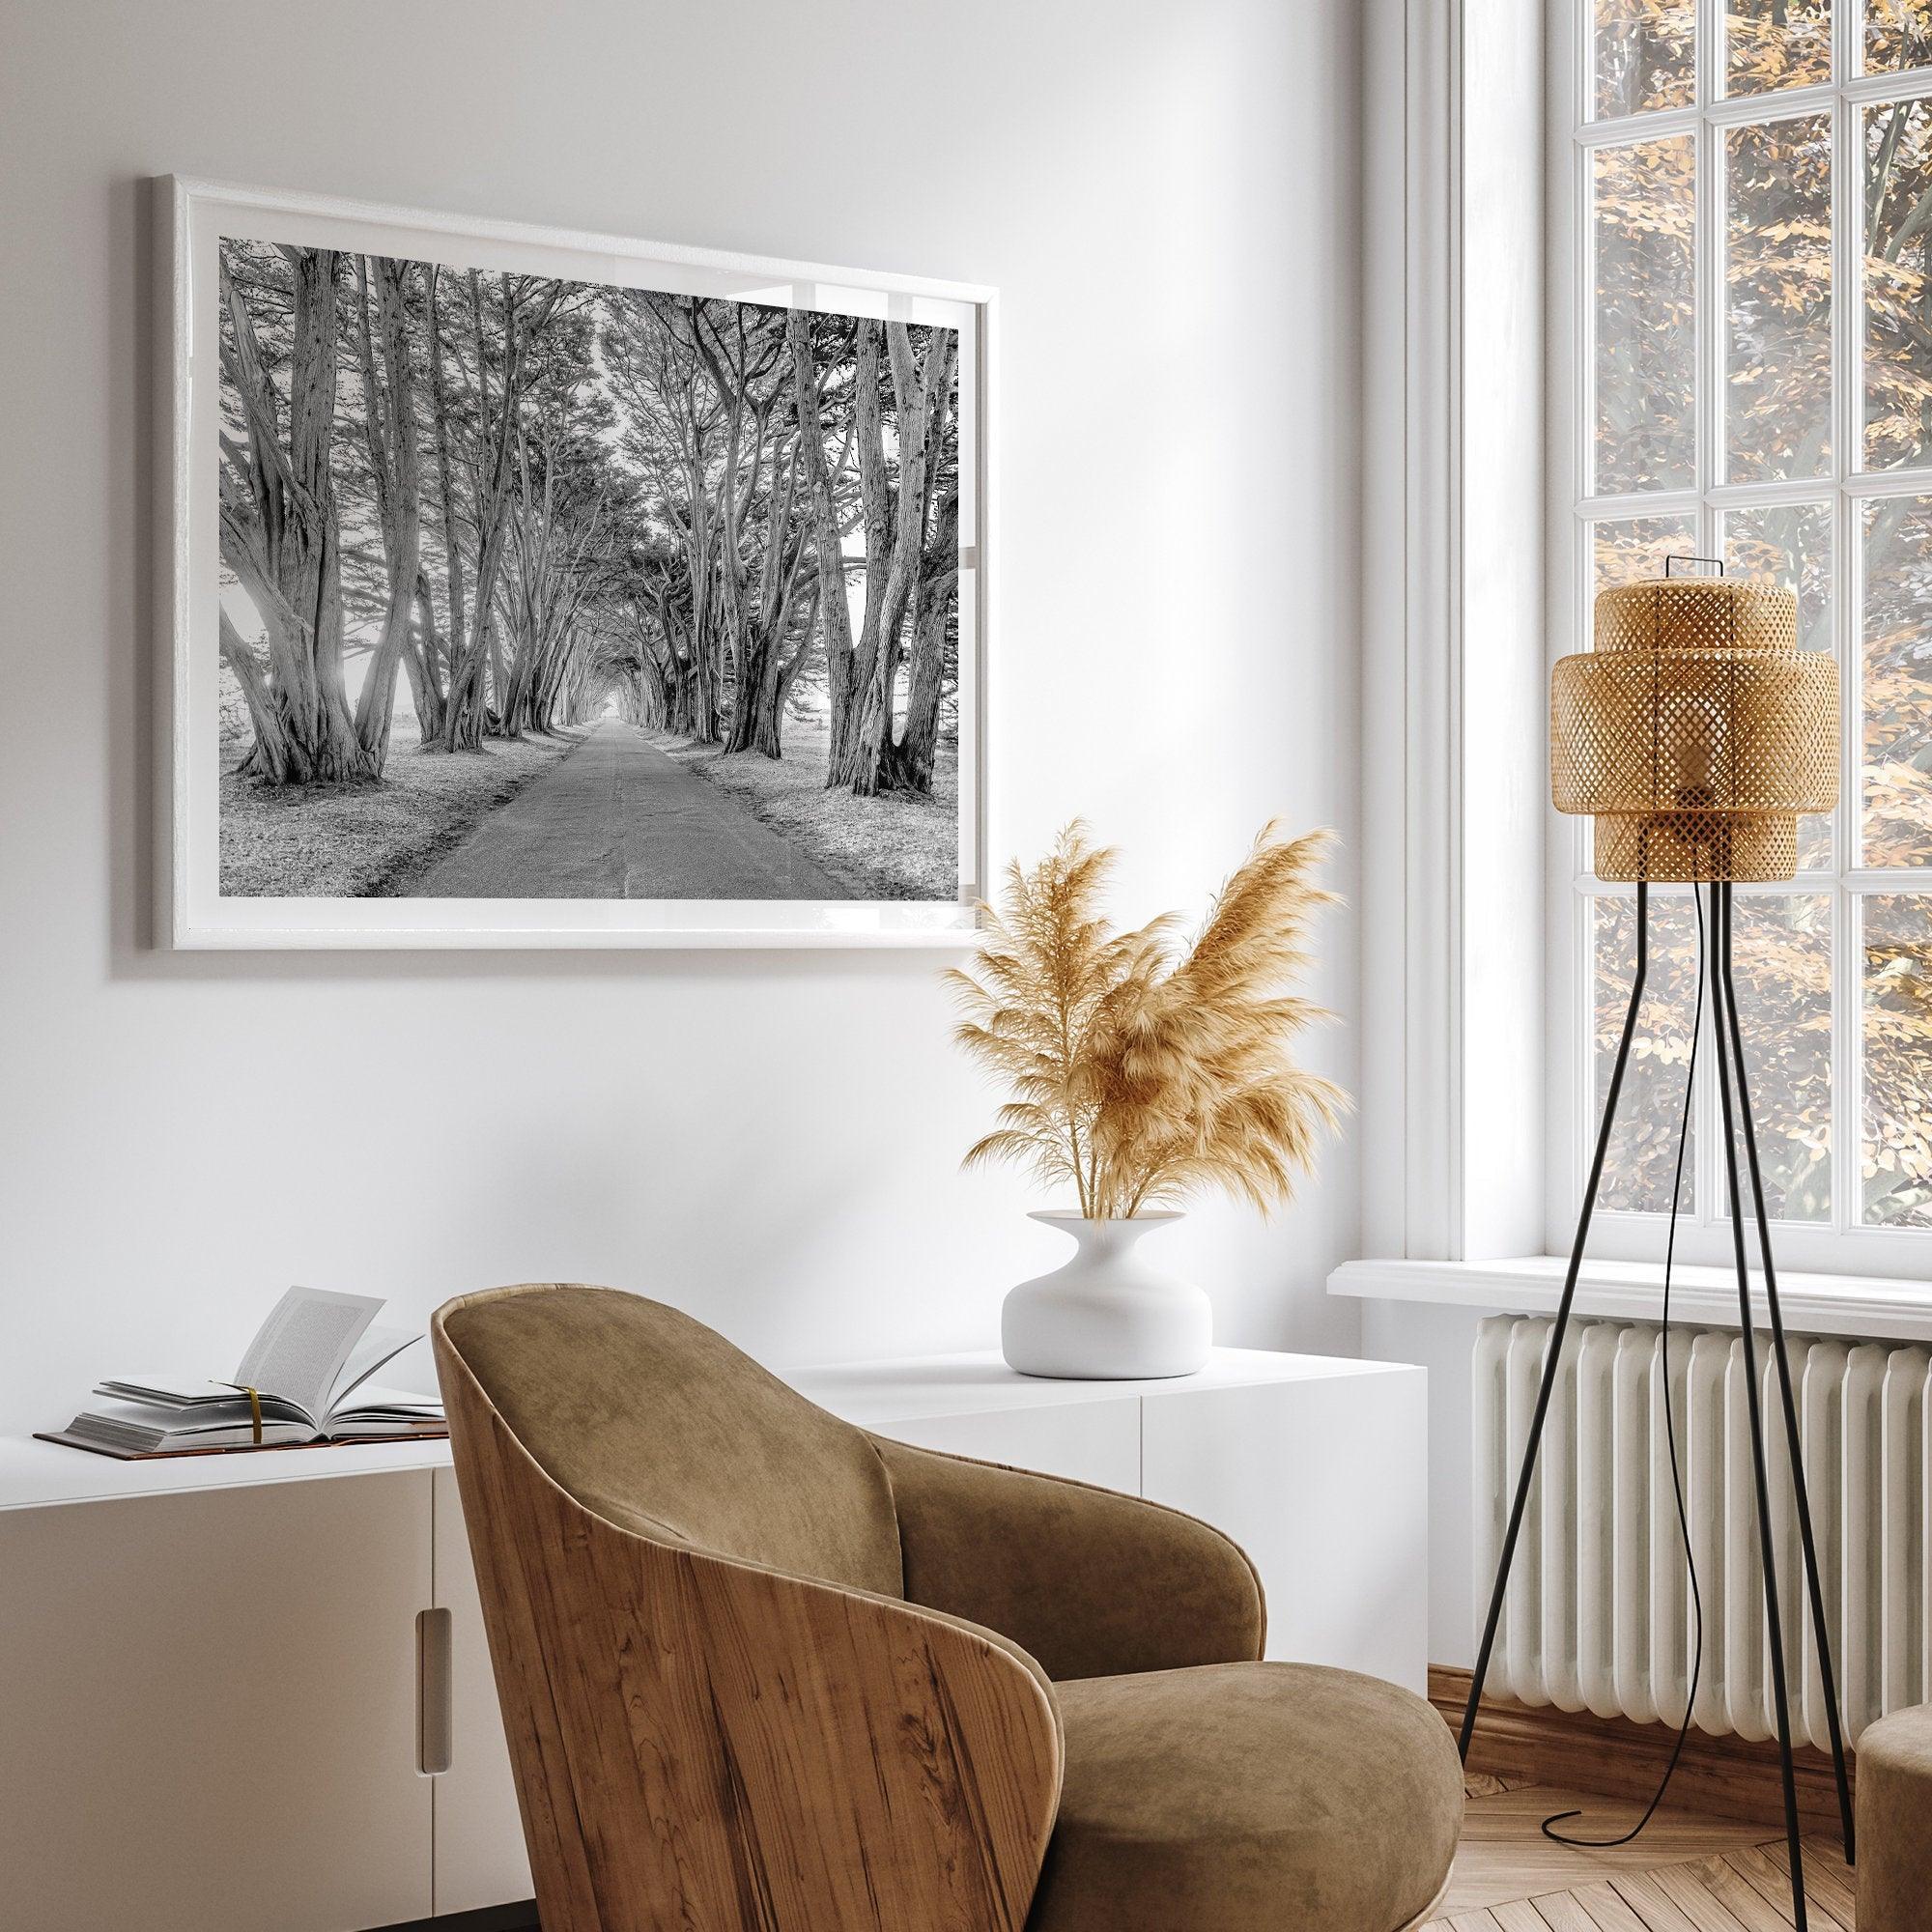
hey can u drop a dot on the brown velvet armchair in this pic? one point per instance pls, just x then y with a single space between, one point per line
762 1671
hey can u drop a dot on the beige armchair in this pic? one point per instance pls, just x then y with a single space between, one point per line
761 1671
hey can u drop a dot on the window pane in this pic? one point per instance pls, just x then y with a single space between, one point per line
1897 1151
1644 219
1626 549
1777 278
1643 1145
1773 44
1897 285
1645 55
1791 544
1898 34
1781 954
1897 667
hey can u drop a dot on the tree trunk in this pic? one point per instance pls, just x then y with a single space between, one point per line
269 754
422 657
391 410
469 694
280 528
909 766
452 552
312 387
772 745
828 549
868 763
849 721
754 718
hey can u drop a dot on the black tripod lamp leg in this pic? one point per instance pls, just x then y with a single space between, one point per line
1827 1681
1755 1405
1552 1355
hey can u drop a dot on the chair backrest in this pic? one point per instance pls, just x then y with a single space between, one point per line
657 1423
720 1715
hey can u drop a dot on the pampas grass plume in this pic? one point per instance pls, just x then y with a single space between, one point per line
1141 1071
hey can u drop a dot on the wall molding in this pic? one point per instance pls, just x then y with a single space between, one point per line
1861 1307
1577 1751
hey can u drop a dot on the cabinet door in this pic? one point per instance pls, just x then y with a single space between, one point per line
1091 1441
479 1833
1324 1482
207 1709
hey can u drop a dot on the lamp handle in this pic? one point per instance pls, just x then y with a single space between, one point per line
1717 561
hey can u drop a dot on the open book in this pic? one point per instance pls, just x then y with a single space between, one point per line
310 1371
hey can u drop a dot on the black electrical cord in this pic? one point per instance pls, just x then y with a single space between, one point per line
1670 1431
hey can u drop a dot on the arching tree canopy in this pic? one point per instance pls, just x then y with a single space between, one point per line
496 505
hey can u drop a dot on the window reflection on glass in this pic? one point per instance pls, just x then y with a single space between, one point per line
1645 55
1898 34
1773 44
1642 1156
1627 550
1643 223
1897 1148
1896 647
1898 284
1777 319
1791 544
1781 964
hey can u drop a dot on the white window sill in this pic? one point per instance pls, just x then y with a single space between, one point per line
1813 1304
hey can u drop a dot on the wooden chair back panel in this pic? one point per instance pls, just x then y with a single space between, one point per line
703 1743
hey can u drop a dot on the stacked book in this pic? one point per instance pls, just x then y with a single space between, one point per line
307 1376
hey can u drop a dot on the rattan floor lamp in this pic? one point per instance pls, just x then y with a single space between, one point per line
1694 734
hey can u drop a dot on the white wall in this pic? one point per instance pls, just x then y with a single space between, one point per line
1167 198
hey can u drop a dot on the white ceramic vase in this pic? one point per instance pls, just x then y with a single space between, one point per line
1107 1315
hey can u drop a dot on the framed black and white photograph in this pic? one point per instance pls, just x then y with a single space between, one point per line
531 588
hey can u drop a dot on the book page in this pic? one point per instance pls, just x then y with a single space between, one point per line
166 1390
376 1349
387 1414
302 1346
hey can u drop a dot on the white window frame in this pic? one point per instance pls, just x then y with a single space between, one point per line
1845 1245
1473 1105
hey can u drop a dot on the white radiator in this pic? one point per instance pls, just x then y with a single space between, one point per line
1599 1616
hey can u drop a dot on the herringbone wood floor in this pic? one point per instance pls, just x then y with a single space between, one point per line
1687 1873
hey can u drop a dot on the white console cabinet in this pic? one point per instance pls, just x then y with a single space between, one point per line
212 1697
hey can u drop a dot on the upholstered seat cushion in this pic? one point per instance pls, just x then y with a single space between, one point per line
1895 1822
1248 1797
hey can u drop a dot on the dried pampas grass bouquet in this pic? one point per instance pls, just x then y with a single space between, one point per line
1142 1069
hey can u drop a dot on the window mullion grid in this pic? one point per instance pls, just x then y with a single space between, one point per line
1850 486
1730 110
1848 38
1844 572
1754 496
1579 908
1709 336
1863 490
1583 926
1848 1077
1847 603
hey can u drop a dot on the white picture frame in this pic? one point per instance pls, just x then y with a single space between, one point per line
192 216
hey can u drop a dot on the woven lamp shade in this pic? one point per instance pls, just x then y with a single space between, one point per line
1695 732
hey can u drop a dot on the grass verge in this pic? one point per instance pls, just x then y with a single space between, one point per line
893 847
369 841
